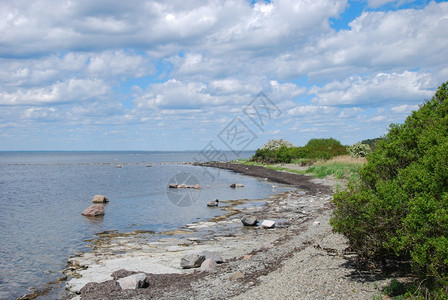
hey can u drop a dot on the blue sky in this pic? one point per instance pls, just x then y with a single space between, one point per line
180 75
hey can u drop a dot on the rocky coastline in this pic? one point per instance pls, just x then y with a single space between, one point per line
299 258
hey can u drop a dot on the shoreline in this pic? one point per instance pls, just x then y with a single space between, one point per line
254 253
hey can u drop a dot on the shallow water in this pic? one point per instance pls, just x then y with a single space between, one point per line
42 195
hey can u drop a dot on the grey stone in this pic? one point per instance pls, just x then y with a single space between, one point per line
95 210
209 265
133 282
212 255
268 224
266 246
100 199
192 260
282 223
249 220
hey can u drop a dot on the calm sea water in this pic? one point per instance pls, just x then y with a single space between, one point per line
42 195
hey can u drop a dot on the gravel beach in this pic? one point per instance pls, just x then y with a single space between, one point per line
300 258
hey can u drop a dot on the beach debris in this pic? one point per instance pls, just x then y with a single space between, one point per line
235 185
192 260
95 210
212 255
100 199
213 203
268 224
136 281
209 265
249 220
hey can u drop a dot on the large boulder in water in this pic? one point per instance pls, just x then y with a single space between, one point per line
95 210
100 199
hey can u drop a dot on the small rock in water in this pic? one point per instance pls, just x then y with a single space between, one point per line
213 203
268 224
235 185
209 265
197 186
95 210
212 255
136 281
249 221
193 260
100 199
173 186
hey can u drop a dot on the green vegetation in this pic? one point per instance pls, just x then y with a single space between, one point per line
399 207
338 169
281 151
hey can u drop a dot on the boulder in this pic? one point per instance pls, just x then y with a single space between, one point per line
212 255
268 224
94 210
136 281
235 185
249 220
193 260
100 199
209 265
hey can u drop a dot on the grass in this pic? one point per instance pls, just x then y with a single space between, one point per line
341 167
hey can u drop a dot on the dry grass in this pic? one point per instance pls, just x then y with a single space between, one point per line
344 159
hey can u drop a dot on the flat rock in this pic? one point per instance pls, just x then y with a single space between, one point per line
100 199
192 260
249 220
268 224
133 282
209 265
212 255
95 210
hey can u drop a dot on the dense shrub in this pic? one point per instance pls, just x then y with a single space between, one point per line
359 150
325 148
400 205
281 151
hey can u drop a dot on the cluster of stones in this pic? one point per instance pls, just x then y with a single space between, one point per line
97 209
252 221
206 260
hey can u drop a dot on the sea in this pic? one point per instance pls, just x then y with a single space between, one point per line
42 195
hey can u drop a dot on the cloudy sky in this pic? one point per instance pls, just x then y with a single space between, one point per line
179 75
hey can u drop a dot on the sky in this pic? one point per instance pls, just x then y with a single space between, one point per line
213 75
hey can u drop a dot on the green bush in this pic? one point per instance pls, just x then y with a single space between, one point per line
400 205
281 151
325 148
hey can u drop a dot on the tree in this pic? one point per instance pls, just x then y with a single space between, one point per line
400 205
